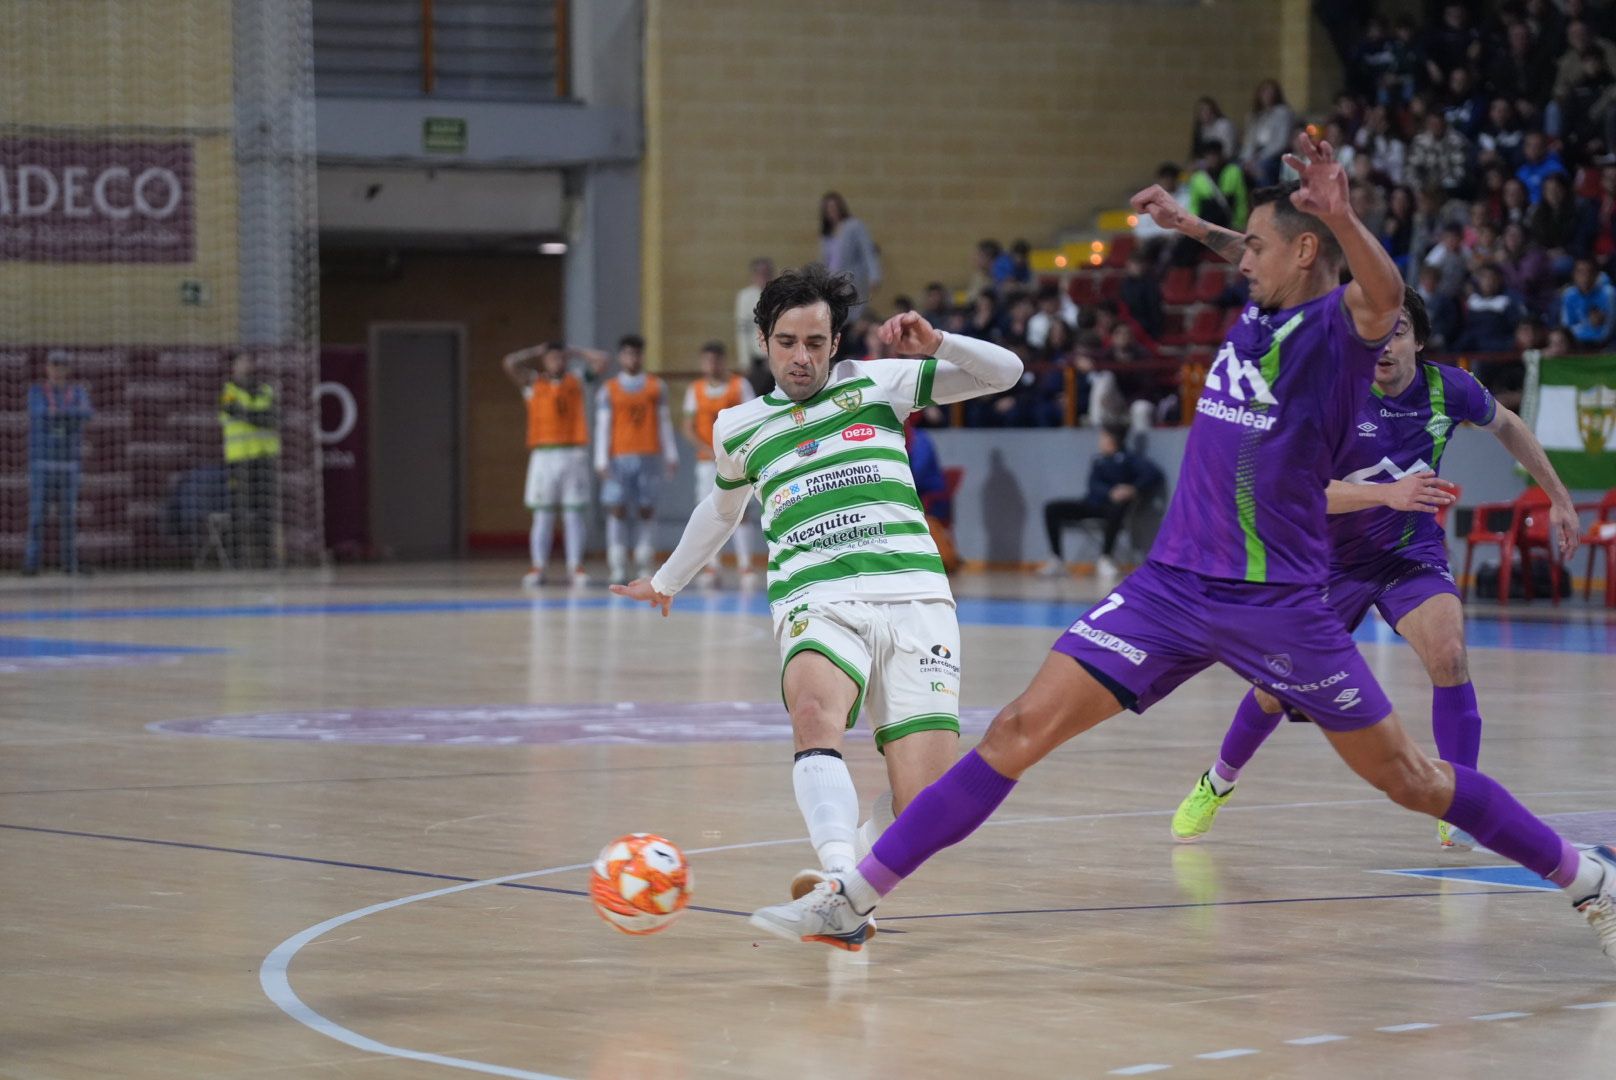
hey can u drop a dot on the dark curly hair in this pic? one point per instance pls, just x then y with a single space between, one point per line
803 287
1419 320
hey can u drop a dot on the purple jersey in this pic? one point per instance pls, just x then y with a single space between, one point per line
1280 400
1396 436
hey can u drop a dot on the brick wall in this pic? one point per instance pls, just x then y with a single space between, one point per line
941 122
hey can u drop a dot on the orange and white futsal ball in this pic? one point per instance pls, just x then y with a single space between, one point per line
640 883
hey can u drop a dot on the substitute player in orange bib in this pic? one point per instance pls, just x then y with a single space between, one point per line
716 390
634 452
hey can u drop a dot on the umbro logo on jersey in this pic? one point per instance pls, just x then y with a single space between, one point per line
858 433
1366 430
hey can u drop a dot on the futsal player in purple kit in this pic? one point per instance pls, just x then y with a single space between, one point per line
1237 573
1388 552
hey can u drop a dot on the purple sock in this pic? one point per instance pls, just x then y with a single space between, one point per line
1456 724
1482 808
945 813
1250 728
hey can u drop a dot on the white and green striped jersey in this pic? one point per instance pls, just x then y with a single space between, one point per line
840 511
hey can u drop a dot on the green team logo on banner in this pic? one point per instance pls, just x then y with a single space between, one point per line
848 400
1570 404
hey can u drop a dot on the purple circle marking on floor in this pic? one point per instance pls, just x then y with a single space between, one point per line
616 723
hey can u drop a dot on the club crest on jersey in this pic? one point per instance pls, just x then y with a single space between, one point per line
848 400
808 448
1279 662
798 415
859 433
799 626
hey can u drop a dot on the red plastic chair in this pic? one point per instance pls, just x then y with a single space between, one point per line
1442 514
1535 534
1601 537
1178 288
1122 245
1212 279
1482 532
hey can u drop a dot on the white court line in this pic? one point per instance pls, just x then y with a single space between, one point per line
1595 1005
1398 1029
1138 1070
1315 1040
1221 1055
277 986
1501 1016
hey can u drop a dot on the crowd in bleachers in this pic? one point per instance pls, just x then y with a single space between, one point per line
1482 151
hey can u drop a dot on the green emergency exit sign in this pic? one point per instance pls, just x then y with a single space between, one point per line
444 135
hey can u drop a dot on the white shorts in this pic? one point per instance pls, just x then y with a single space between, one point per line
904 656
557 478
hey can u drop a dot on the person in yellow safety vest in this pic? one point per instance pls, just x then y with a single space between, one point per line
252 448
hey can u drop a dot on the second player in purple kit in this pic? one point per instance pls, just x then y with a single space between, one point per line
1238 573
1389 553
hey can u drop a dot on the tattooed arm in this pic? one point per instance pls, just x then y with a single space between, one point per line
1167 213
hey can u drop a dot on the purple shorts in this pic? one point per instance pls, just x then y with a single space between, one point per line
1396 583
1163 625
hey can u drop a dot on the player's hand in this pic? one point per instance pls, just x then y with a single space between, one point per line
1324 182
909 334
1123 493
1163 209
640 589
1566 527
1425 492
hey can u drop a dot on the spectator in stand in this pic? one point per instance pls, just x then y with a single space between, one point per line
1454 43
1465 108
1439 157
845 245
1585 110
1521 70
1368 204
1349 113
1211 126
1218 188
1491 315
1443 309
1397 230
1268 133
939 305
1118 480
1019 310
57 412
1052 306
931 484
982 259
1432 213
1491 196
983 322
1154 240
1052 389
1558 225
1504 376
1548 23
1579 40
1538 163
1121 394
1373 66
1335 133
902 304
1517 202
1601 219
1527 271
1482 242
1588 305
1501 135
754 362
1142 296
1559 343
1012 268
1451 261
1380 142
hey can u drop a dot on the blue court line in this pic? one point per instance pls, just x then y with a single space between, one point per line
1518 877
1490 632
743 914
37 647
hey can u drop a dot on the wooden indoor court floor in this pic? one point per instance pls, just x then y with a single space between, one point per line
339 828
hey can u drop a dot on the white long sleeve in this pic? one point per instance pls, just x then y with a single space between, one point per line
710 524
603 428
670 449
968 367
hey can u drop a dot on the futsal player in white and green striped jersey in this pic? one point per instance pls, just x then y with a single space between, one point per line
862 610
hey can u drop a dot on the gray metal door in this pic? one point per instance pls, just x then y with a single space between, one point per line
416 410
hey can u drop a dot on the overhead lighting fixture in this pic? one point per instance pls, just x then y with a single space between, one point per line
553 247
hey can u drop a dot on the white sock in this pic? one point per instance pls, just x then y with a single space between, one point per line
1590 876
616 542
572 538
860 893
539 539
1221 784
644 550
830 806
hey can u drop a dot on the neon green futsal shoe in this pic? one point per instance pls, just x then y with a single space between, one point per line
1193 819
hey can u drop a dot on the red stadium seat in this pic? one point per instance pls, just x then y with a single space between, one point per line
1442 514
1211 281
1084 288
1207 327
1179 286
1110 286
1528 528
1173 328
1536 534
1122 245
1601 537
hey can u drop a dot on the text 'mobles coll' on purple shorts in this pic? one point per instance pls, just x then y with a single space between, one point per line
1164 625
